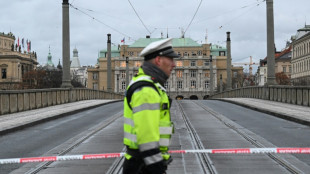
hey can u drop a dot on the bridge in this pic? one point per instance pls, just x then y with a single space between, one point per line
228 135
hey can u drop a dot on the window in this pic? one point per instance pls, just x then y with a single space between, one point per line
207 84
265 79
3 73
95 86
290 69
199 53
95 76
123 85
193 63
222 53
193 53
123 64
235 74
193 84
179 84
179 63
130 53
193 73
123 74
166 85
284 69
207 62
137 63
185 54
179 73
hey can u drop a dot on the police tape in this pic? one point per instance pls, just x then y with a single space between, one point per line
303 150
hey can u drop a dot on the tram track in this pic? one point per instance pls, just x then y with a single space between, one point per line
204 159
80 140
289 167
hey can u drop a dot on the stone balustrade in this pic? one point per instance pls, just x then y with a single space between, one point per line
285 94
12 101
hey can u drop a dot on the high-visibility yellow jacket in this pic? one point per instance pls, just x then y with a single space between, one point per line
147 122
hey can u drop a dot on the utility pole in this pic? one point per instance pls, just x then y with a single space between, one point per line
109 71
66 82
228 81
271 79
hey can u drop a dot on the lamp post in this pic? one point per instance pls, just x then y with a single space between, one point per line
127 71
211 76
117 79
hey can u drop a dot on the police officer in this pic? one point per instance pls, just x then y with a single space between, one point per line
147 123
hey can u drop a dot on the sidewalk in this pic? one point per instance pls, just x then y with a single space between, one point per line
297 113
19 120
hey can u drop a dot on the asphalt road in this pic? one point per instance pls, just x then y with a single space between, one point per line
37 140
280 132
265 129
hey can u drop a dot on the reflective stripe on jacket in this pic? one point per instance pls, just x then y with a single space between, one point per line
148 125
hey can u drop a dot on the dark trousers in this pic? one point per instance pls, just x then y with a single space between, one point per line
135 166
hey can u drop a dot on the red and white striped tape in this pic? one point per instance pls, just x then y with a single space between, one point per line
302 150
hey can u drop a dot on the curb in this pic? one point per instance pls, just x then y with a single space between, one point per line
36 122
274 113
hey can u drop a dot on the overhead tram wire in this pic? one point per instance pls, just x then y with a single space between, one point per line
193 17
139 17
229 11
256 5
100 21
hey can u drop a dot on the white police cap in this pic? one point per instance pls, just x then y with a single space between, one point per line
159 48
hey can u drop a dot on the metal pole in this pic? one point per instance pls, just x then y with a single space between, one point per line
228 81
211 76
109 71
66 82
221 83
117 78
127 71
271 79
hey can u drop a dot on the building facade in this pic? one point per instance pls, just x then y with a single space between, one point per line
301 57
78 72
14 62
189 79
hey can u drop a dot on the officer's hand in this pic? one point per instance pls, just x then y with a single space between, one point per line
157 168
168 161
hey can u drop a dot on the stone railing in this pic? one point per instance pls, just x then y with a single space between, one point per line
285 94
12 101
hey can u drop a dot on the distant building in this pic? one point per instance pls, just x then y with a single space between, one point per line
14 61
189 79
301 57
49 65
76 71
282 64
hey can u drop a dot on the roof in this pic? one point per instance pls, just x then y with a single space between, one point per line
176 42
115 52
285 54
301 32
217 47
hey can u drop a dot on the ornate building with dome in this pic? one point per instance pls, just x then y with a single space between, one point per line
14 62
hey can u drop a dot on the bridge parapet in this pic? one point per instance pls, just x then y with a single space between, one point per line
12 101
286 94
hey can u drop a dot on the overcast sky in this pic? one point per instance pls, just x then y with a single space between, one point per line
41 22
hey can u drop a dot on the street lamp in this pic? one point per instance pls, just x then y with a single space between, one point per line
127 71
